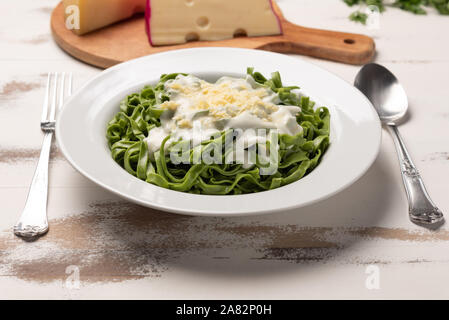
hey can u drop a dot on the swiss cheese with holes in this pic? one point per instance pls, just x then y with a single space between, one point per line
179 21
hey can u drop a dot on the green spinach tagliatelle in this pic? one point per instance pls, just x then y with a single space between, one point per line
140 113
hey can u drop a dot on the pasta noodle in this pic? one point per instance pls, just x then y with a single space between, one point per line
140 113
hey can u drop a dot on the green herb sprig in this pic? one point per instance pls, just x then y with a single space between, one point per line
414 6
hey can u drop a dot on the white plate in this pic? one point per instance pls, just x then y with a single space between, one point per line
355 130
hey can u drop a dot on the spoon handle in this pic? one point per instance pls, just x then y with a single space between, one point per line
422 210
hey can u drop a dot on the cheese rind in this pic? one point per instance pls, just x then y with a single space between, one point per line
179 21
96 14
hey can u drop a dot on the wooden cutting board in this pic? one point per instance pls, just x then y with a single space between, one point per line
127 40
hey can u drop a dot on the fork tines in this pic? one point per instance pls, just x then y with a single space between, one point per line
57 89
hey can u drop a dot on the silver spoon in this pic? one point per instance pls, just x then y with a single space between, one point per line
389 99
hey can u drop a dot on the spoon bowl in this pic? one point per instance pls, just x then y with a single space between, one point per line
384 91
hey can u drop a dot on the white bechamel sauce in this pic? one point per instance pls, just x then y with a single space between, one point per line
198 109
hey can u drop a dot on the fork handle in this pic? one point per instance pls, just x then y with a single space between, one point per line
422 210
33 221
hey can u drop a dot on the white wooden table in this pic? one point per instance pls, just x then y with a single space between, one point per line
358 244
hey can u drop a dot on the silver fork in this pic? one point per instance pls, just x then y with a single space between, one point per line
33 221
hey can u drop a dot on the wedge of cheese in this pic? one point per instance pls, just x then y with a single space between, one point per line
83 16
180 21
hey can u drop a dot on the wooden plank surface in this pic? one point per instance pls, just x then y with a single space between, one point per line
327 250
